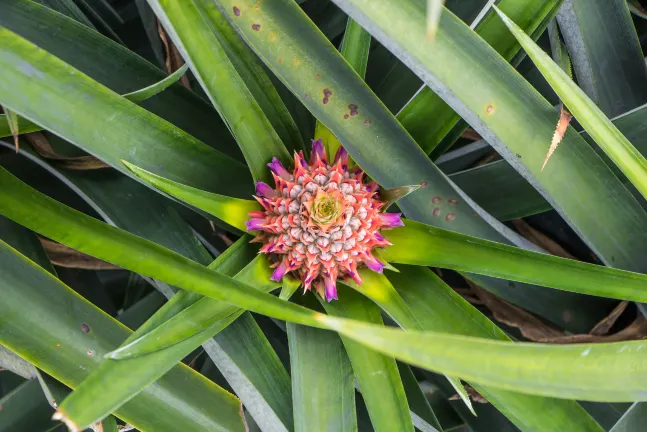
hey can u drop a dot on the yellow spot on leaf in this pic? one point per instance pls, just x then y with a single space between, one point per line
272 36
564 120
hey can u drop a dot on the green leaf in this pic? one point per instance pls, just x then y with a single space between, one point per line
158 87
390 196
377 375
379 144
633 419
127 131
572 375
606 53
608 137
251 70
289 286
234 211
529 14
50 337
26 409
439 308
323 387
117 68
559 50
126 203
203 319
24 126
197 317
12 122
518 122
377 287
423 415
505 194
355 48
226 89
424 245
70 9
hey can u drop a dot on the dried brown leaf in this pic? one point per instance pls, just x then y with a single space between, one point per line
174 60
41 144
635 331
564 120
533 329
529 325
602 328
64 256
540 239
471 134
473 394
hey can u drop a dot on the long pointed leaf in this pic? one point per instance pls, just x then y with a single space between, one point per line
126 130
374 138
50 337
421 244
234 211
252 130
322 380
567 371
608 137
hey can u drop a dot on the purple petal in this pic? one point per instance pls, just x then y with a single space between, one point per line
277 167
279 272
318 149
331 289
391 220
373 264
265 190
255 224
342 155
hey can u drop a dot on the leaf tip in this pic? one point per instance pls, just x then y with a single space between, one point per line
61 416
562 125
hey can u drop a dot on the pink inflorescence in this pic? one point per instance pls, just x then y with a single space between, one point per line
321 221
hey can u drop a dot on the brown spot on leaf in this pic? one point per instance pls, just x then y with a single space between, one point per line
58 345
90 352
236 11
327 94
450 217
489 109
424 183
452 201
346 116
85 328
436 200
317 76
256 27
367 122
280 61
436 212
353 109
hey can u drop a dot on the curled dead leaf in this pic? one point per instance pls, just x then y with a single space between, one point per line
540 239
473 394
41 144
64 256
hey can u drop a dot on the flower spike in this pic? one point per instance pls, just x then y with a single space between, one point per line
321 221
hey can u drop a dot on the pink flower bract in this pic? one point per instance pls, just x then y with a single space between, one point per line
321 221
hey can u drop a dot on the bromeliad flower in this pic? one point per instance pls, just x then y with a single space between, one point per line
321 222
